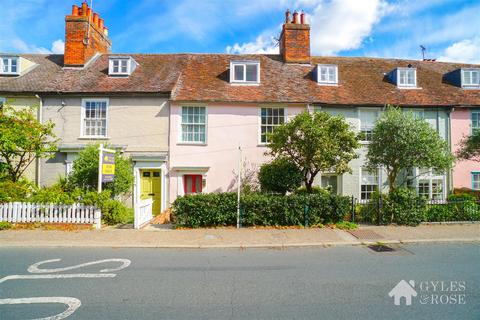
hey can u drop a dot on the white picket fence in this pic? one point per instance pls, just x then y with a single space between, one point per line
21 212
143 213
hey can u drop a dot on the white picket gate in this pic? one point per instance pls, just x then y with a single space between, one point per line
143 213
23 212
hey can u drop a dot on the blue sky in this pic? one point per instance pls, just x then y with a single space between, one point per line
450 29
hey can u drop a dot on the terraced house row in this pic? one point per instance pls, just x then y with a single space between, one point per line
182 117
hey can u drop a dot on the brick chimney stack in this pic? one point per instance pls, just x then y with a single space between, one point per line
295 39
85 36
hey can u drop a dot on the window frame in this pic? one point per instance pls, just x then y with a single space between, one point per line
360 128
285 119
83 116
360 192
470 85
195 176
10 59
111 62
431 176
244 64
331 175
477 114
472 175
180 136
407 85
327 82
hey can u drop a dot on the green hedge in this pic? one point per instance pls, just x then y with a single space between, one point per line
220 209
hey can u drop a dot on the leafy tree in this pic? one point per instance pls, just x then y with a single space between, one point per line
84 173
314 143
470 147
280 176
401 142
22 139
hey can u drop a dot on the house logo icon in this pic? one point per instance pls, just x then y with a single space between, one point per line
403 289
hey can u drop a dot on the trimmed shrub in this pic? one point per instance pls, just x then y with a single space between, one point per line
279 176
459 207
220 209
205 210
403 206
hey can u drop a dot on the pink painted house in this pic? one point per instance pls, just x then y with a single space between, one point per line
466 174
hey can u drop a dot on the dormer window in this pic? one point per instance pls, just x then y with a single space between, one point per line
121 66
471 78
9 65
327 74
406 77
245 72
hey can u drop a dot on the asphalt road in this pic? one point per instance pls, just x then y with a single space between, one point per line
309 283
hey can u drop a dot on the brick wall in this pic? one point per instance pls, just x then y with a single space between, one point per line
81 44
295 43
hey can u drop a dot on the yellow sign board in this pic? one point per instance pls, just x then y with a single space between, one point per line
108 168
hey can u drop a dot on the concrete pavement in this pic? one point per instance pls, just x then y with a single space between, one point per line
242 238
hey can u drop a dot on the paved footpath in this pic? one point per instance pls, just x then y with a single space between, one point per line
153 237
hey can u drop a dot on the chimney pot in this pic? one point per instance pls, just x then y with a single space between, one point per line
105 31
295 17
100 23
84 8
95 19
74 10
302 18
89 13
287 16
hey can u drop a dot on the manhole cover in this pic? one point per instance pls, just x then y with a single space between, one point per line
381 248
365 234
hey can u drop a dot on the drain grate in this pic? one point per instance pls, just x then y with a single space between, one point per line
365 234
380 248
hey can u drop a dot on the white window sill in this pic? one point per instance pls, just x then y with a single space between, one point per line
409 88
200 144
245 83
328 84
93 138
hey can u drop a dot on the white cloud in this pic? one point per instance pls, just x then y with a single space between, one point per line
21 46
336 25
344 25
467 51
58 46
263 44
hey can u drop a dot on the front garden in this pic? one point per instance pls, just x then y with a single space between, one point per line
23 139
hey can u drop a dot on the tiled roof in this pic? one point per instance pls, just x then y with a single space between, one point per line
362 81
154 74
205 77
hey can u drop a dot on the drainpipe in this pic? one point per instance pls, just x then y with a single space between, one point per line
37 160
449 141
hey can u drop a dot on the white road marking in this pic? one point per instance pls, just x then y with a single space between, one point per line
72 303
34 268
57 276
